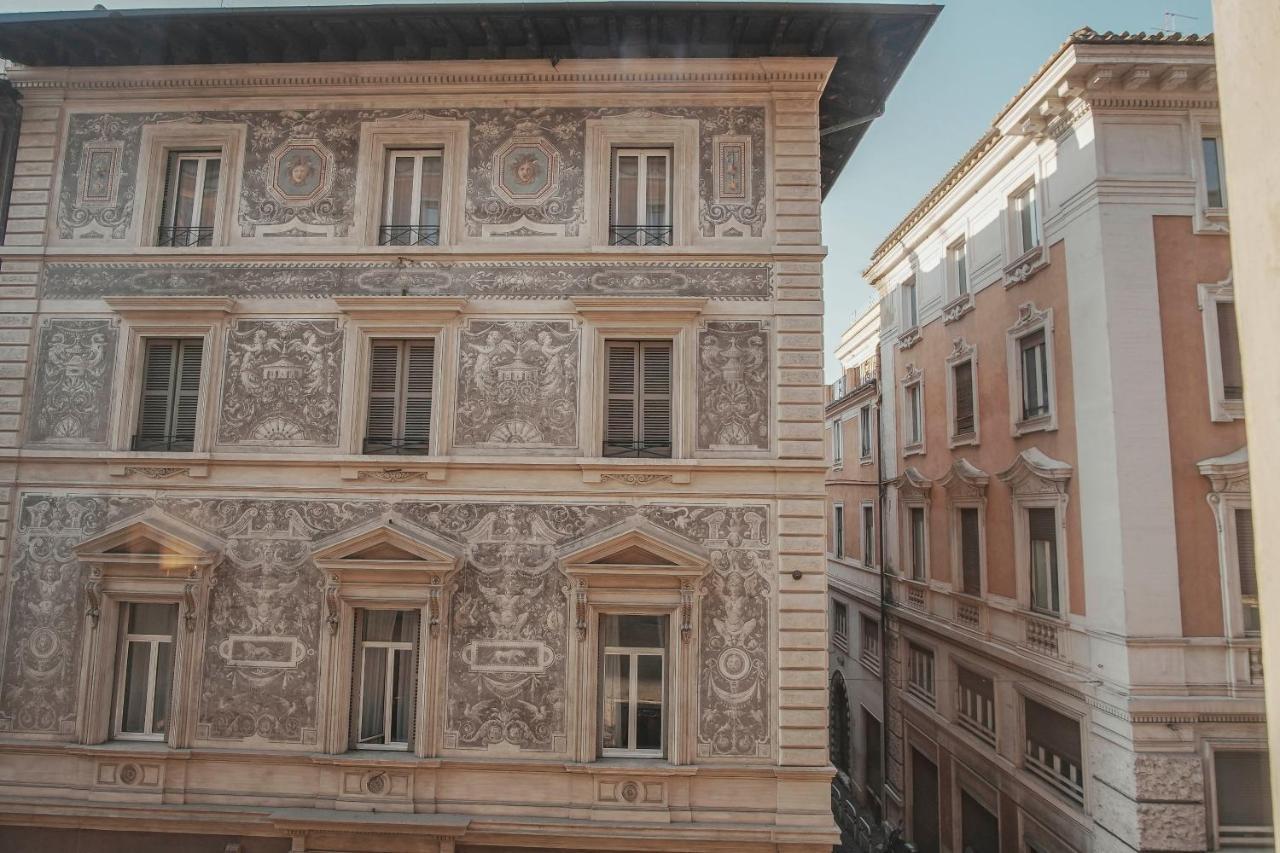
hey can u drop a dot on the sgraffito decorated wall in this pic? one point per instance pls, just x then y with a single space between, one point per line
509 624
525 167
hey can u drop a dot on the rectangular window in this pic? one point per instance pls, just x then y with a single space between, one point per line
1042 529
1229 351
864 432
1215 189
915 518
870 651
1035 375
976 704
170 394
640 210
979 828
868 534
411 209
1027 219
920 681
385 679
401 375
190 205
871 769
837 442
925 830
837 530
962 383
144 680
1053 749
915 415
840 623
970 551
1248 571
1242 796
956 264
633 684
910 308
638 399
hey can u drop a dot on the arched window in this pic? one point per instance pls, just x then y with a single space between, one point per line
839 725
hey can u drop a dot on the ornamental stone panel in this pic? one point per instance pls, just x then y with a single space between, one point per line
74 367
733 385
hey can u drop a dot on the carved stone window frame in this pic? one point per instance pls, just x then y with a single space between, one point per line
1208 220
417 580
1209 749
1029 321
914 490
962 351
1038 481
673 319
632 131
176 568
912 377
161 140
1229 485
967 781
1210 299
957 304
426 318
451 136
1021 265
966 488
143 317
667 585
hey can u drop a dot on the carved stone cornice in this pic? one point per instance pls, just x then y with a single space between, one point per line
401 307
957 308
1035 473
964 479
1227 474
912 485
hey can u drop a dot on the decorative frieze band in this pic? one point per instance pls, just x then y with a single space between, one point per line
506 280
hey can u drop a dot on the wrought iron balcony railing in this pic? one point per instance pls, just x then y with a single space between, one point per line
409 235
181 238
640 235
376 447
169 443
645 449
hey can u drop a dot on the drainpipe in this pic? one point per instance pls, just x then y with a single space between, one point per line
885 590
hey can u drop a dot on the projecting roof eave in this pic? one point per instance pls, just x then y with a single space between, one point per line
871 43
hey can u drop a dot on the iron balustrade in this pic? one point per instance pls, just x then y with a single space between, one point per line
373 447
645 449
640 235
171 443
409 235
181 238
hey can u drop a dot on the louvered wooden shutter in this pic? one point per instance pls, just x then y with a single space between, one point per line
655 404
1244 554
155 414
1043 525
970 554
964 398
384 385
1229 351
621 429
186 402
420 365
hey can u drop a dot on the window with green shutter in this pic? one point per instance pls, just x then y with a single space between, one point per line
401 376
170 394
638 399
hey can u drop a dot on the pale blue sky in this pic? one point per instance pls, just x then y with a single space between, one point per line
978 54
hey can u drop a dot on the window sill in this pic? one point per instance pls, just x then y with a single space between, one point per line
866 460
912 449
909 338
957 308
1040 423
1225 411
964 439
1025 265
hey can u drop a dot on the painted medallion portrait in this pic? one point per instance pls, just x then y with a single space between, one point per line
300 170
526 169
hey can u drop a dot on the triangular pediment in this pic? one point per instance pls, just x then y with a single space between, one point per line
635 545
388 542
152 538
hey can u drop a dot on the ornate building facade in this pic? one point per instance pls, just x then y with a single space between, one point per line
1071 655
413 433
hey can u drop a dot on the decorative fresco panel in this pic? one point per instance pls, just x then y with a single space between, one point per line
517 385
46 608
733 385
525 166
73 372
509 624
527 280
282 383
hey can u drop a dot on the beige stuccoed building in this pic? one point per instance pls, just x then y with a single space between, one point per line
1072 655
413 425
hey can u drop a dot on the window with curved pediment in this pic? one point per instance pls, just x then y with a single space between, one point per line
1039 487
146 594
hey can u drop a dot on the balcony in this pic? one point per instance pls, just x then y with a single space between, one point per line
163 443
637 450
376 447
183 238
1062 773
640 235
409 235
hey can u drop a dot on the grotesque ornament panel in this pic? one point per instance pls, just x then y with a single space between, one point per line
74 369
733 385
517 385
46 608
282 383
